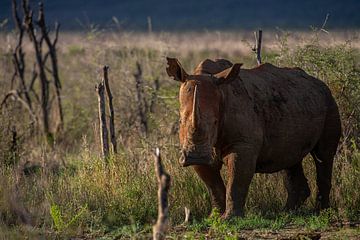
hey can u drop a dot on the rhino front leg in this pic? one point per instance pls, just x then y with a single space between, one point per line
241 168
214 183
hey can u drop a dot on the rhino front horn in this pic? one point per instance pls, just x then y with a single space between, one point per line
196 109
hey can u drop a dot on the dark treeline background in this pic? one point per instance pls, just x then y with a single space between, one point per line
167 15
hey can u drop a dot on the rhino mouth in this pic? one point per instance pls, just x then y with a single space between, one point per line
188 160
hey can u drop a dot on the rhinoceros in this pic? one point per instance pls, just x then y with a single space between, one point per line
259 120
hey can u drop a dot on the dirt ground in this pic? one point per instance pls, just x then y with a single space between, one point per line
292 234
336 231
341 232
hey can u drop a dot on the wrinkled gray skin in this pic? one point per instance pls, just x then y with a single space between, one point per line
259 120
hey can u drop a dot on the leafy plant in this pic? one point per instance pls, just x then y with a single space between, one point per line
58 218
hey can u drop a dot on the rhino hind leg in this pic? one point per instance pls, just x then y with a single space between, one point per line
323 154
296 186
324 162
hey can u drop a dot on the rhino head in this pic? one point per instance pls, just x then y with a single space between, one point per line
200 105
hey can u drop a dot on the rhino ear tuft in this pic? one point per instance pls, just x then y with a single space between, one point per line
175 70
232 74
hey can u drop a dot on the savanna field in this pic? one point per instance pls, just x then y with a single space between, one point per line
61 188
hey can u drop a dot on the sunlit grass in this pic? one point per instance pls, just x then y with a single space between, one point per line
70 191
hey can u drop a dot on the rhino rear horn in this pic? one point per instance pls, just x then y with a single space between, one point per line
231 75
175 70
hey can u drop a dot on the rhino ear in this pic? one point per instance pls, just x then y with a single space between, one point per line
232 74
175 70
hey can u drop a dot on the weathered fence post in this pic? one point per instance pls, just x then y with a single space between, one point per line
111 109
102 120
161 226
257 48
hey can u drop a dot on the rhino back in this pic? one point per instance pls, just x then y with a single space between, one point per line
288 110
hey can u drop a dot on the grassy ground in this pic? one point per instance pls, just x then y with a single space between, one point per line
65 190
301 225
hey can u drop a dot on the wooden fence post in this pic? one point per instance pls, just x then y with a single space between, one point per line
102 121
111 109
161 226
257 48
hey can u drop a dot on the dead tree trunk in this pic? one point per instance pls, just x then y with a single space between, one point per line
161 226
18 57
111 109
22 93
53 57
102 121
44 82
25 92
257 48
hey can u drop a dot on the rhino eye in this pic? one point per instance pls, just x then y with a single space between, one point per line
215 122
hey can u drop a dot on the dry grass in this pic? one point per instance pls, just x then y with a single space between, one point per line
69 191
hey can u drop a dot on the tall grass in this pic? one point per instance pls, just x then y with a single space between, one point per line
67 188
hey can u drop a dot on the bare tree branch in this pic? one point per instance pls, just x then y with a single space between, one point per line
52 51
57 28
37 43
324 24
16 97
18 57
23 92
